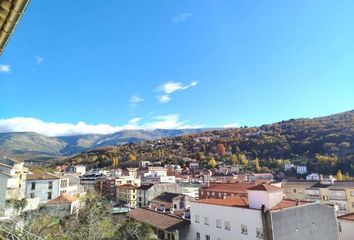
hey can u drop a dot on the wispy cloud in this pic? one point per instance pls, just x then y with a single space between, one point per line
163 98
39 59
4 68
25 124
181 17
170 87
135 99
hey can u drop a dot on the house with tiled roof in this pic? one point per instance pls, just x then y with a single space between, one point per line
164 226
221 190
42 186
262 213
147 192
346 226
63 205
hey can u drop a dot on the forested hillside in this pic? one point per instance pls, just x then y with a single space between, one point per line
325 144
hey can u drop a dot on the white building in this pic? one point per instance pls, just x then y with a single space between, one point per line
301 169
346 226
288 166
313 177
42 186
12 184
264 214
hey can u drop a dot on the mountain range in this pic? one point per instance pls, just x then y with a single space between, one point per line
31 146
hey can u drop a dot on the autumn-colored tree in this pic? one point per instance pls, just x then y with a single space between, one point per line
221 149
339 175
212 163
234 159
257 168
243 159
131 157
115 162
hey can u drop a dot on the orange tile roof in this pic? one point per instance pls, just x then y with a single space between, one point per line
236 201
41 176
349 217
63 198
229 187
287 203
265 187
127 186
157 219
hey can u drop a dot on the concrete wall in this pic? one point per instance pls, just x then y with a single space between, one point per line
251 218
310 222
347 232
42 189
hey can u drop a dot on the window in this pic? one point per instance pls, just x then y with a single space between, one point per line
259 233
301 191
50 185
339 227
198 236
352 204
31 195
244 229
227 225
294 190
49 196
207 237
218 223
33 186
196 219
352 193
206 220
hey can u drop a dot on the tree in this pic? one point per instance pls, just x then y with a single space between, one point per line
243 159
339 175
115 162
234 159
131 157
221 149
133 231
212 163
257 168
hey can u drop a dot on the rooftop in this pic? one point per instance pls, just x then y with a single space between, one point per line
349 217
166 197
239 188
41 176
63 198
236 201
157 219
266 188
287 203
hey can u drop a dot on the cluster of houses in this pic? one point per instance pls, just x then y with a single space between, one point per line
193 203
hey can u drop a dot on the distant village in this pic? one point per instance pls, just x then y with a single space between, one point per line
192 202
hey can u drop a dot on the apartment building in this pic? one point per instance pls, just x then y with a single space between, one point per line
127 195
42 186
12 183
263 214
326 191
106 188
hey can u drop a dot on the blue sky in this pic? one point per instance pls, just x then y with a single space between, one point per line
73 67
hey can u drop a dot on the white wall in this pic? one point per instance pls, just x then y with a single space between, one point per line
41 189
347 229
236 216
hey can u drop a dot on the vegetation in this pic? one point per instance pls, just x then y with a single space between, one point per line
324 144
93 222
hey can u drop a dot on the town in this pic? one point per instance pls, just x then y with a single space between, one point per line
191 202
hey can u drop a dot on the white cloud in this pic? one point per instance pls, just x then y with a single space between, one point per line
4 68
135 99
39 59
163 98
171 87
181 17
231 125
24 124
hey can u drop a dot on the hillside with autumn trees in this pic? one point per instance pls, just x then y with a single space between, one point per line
324 144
